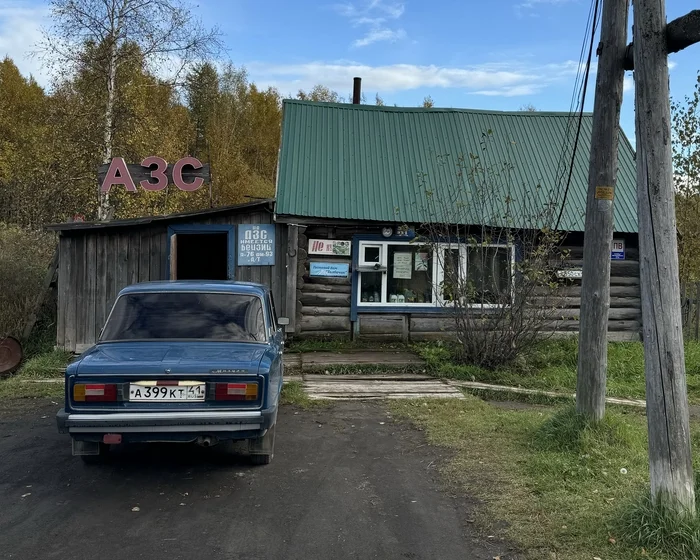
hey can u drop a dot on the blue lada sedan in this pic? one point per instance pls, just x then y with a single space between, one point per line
179 362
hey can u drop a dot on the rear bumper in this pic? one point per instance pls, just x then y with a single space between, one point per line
166 422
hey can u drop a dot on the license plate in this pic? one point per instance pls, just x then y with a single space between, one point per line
148 391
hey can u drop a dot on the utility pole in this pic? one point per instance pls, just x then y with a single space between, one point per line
670 460
602 173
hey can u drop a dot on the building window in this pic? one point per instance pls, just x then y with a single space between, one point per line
488 274
371 255
409 275
401 273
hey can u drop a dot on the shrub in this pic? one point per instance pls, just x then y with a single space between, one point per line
24 258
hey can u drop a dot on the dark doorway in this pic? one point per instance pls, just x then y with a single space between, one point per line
202 256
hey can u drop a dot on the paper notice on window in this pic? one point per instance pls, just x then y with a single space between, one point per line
402 265
422 261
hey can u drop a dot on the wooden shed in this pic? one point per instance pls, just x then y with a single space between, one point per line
98 259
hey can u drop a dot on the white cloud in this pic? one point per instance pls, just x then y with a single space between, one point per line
377 34
493 79
535 3
510 91
20 32
628 84
376 17
530 7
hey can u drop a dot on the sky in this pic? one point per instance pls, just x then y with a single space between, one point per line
479 54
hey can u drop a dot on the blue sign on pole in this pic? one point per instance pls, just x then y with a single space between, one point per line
329 270
618 250
256 245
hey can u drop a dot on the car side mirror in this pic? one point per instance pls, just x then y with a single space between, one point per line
283 321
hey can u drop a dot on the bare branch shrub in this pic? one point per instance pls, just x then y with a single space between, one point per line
494 243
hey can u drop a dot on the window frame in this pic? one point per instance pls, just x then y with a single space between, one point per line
438 275
361 262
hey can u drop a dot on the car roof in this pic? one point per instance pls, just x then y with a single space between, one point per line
209 286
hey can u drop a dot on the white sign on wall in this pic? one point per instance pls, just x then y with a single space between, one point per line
329 247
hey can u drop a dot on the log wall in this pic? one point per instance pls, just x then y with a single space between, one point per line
323 304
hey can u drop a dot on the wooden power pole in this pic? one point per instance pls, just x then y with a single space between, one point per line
670 461
595 287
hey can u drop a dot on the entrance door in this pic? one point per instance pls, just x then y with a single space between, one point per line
201 253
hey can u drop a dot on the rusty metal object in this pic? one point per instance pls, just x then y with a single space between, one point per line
10 355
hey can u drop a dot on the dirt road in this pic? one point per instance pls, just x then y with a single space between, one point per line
346 483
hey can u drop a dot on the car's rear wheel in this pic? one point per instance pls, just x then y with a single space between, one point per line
262 449
261 459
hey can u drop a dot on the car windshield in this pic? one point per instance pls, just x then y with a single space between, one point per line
186 315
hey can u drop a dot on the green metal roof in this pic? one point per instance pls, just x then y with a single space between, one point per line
396 164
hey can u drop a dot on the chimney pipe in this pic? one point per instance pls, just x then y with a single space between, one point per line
356 90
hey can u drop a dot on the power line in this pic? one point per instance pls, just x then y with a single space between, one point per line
580 115
575 100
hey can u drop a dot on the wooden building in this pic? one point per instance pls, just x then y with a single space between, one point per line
352 184
338 246
96 260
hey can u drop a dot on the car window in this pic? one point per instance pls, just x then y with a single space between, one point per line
186 315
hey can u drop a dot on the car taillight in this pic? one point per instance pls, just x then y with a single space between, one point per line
236 392
94 392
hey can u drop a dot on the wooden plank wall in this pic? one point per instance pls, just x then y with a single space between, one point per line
96 264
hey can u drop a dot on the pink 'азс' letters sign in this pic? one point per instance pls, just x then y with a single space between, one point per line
154 174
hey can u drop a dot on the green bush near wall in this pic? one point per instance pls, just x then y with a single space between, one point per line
24 258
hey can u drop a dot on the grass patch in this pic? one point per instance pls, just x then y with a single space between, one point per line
655 529
299 346
293 394
41 366
15 388
566 430
559 483
364 369
531 398
551 366
45 366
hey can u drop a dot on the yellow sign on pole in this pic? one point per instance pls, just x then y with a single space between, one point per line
604 193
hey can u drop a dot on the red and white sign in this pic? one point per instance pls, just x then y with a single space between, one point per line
329 247
158 174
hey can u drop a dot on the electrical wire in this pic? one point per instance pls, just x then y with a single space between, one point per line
583 88
562 164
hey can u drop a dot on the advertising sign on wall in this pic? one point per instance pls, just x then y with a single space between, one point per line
256 244
329 247
329 270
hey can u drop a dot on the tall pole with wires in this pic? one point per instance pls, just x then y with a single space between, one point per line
670 457
595 285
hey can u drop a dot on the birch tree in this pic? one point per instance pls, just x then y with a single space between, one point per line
98 34
685 120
